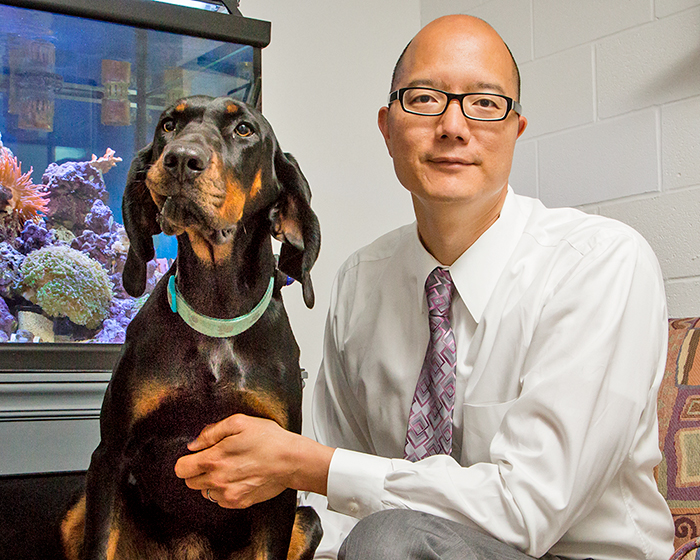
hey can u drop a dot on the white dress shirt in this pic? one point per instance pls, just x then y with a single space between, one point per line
561 330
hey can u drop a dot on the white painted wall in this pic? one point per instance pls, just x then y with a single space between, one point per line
611 89
326 72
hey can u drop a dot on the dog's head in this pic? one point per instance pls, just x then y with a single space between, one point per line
213 163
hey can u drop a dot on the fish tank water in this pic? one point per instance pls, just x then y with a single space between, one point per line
79 96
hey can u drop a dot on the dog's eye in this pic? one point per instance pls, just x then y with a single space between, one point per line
244 129
169 125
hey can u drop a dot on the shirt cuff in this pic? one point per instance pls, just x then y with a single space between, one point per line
356 482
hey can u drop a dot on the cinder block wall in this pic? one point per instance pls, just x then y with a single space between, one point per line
611 89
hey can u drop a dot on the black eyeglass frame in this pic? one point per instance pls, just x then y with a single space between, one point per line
512 104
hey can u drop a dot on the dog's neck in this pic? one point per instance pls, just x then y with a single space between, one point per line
228 282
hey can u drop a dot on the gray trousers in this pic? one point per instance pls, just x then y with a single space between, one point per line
401 534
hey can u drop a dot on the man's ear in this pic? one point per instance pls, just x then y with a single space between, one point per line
522 125
139 213
383 122
294 223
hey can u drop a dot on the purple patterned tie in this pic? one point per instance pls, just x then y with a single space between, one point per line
430 420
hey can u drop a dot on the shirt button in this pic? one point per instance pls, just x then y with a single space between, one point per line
353 507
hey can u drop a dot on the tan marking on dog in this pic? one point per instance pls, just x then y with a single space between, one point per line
181 107
232 108
267 407
232 209
299 542
112 543
205 251
72 530
257 184
148 397
156 177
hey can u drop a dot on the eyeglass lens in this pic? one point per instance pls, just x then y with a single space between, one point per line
477 105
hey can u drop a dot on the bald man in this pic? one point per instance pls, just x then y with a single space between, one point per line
528 426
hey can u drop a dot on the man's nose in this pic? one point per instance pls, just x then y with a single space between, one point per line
453 124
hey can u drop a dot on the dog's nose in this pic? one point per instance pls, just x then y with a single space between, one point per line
185 162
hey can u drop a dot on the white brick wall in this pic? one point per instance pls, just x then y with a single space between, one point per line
611 89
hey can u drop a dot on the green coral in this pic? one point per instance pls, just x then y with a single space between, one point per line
67 283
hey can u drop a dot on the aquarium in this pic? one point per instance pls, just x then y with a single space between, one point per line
81 89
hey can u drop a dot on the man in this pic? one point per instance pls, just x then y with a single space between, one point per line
529 425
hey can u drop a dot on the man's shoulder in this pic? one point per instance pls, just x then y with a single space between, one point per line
381 249
582 231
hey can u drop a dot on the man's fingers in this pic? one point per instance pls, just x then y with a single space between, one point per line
214 433
188 467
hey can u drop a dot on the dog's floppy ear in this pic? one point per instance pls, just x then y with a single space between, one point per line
139 213
294 223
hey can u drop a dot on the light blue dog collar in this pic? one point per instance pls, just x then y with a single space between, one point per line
210 326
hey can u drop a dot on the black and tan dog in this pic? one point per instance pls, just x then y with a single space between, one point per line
215 177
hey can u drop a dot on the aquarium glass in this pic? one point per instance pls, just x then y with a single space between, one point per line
78 98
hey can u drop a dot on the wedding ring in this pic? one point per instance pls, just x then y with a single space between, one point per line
209 496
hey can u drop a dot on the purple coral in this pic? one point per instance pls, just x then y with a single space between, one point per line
100 218
7 320
10 270
99 247
121 312
104 248
32 237
73 187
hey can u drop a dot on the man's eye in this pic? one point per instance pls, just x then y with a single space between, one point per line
169 125
421 99
424 99
244 129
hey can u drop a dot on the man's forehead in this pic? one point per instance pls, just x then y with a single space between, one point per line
459 59
471 86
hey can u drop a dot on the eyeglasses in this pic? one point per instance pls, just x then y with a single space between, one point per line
476 106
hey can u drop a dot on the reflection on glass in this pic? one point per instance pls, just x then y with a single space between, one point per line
78 98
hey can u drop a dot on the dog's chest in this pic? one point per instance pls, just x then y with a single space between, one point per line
222 361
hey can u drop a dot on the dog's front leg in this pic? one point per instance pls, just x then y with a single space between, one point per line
88 530
101 532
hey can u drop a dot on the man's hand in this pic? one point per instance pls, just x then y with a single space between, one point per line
244 460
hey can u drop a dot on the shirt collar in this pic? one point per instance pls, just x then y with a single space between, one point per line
476 272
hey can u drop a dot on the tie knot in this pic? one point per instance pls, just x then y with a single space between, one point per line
438 290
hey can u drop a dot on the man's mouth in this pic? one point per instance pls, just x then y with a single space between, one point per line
450 161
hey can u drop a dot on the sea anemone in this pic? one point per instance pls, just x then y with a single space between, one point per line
28 200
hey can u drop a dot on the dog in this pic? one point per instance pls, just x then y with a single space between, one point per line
215 177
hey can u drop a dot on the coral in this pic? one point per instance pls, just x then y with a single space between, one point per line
98 247
28 200
7 320
74 187
100 218
106 248
106 162
66 282
34 236
62 234
121 313
10 271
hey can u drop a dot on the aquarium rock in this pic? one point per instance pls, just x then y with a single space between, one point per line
7 320
10 271
67 283
34 236
73 187
121 312
100 218
41 327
